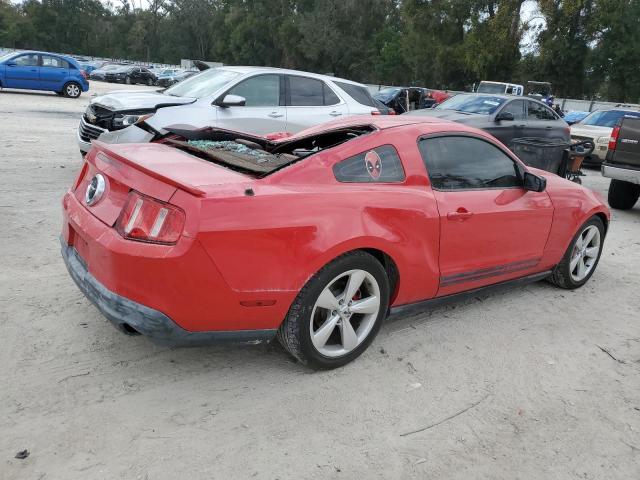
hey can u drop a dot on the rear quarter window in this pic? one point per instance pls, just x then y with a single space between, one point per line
358 93
378 165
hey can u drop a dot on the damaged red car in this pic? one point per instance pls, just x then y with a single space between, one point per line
213 236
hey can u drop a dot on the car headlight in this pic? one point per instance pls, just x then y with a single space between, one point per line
127 120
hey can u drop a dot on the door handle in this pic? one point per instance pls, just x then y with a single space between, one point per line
335 113
521 125
460 215
275 115
548 128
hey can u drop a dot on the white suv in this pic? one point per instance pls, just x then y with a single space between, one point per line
256 100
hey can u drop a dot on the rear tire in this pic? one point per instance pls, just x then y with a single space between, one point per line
338 313
623 195
72 90
149 82
582 256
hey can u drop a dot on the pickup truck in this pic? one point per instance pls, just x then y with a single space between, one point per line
622 164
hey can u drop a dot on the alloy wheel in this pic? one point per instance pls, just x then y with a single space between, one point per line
585 253
73 90
345 313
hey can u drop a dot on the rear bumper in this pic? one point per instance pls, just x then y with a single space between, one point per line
621 173
130 317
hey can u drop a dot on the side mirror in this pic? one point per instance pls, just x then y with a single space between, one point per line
232 101
504 116
534 183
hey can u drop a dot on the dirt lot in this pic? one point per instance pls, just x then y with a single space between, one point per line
543 398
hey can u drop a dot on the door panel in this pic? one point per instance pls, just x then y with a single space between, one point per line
507 130
24 74
491 229
262 113
542 122
501 234
53 72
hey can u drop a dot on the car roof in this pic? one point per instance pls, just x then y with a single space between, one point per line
249 69
37 52
499 95
383 122
505 97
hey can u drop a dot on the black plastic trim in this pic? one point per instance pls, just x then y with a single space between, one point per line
131 317
419 307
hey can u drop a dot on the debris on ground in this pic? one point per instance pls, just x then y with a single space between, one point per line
610 354
22 454
450 417
413 386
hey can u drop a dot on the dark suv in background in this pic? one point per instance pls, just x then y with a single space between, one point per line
622 164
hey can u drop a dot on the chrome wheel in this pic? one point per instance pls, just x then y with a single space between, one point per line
73 90
585 253
344 313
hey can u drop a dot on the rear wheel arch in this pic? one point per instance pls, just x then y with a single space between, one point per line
604 219
378 252
390 267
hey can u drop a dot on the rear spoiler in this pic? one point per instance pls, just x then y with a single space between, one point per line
111 155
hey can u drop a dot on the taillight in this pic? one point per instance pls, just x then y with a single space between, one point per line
375 112
392 111
614 138
146 219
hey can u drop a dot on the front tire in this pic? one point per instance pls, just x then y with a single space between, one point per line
582 256
150 82
623 195
72 90
338 313
127 80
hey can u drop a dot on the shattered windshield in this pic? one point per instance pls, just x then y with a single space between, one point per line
482 104
203 85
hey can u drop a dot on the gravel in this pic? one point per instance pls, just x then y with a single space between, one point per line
532 383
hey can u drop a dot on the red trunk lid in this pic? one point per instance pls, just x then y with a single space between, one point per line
153 169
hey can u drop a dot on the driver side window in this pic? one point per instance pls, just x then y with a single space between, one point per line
27 61
462 163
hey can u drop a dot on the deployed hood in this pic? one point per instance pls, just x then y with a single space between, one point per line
453 115
138 100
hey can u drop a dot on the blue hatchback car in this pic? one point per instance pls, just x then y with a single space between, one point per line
42 71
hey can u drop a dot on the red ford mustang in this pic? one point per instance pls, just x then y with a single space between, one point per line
215 236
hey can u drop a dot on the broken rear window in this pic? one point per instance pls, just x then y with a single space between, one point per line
257 155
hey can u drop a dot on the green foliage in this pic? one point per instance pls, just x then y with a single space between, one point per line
585 48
